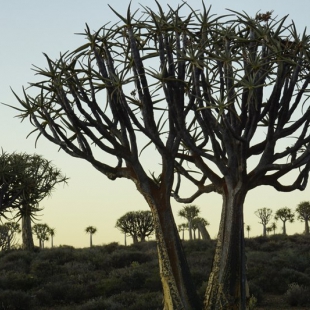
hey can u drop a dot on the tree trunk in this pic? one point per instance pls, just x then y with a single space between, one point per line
27 232
190 230
135 239
178 289
91 239
227 281
306 227
284 228
264 230
203 231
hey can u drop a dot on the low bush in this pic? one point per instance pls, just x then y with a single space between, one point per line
15 300
297 295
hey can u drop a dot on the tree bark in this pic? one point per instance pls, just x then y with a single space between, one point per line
203 231
27 237
264 230
227 281
306 227
178 288
284 228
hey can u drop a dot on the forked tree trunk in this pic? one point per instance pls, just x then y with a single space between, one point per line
227 281
27 232
178 289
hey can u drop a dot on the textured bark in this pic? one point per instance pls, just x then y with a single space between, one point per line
306 227
227 282
27 232
178 288
203 231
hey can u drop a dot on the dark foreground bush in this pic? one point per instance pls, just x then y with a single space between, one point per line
297 295
15 300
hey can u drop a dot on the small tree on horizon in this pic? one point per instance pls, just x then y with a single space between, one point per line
52 234
264 215
42 231
274 227
91 230
303 211
189 212
285 215
248 228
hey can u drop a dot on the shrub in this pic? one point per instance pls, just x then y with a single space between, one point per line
15 300
297 295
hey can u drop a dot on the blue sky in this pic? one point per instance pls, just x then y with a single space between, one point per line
29 28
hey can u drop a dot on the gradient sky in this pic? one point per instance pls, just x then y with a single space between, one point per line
29 28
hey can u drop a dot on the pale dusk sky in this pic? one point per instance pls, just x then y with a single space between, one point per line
29 28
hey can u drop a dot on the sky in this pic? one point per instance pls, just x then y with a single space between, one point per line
30 28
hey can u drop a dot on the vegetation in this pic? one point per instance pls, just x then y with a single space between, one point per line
42 231
195 87
24 181
117 277
285 215
189 212
90 230
138 224
303 214
264 215
8 232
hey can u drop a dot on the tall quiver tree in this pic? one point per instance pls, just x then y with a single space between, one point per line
248 96
264 215
28 179
285 215
303 214
189 212
91 230
215 75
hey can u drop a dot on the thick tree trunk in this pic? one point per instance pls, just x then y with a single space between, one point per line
264 230
178 289
227 281
91 239
203 231
284 228
27 232
306 227
190 230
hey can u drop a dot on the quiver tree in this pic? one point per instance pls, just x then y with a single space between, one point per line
91 230
303 214
189 212
25 181
285 215
137 224
231 90
264 215
200 224
8 233
42 231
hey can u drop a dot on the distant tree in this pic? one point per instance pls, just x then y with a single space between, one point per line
8 233
189 212
52 234
42 231
248 228
25 180
265 216
181 228
274 227
303 211
285 215
268 230
200 224
91 230
137 224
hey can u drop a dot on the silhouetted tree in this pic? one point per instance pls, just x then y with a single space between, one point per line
90 230
210 94
138 224
42 231
181 228
285 215
264 215
273 227
200 224
26 180
248 229
189 212
303 211
52 234
8 233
